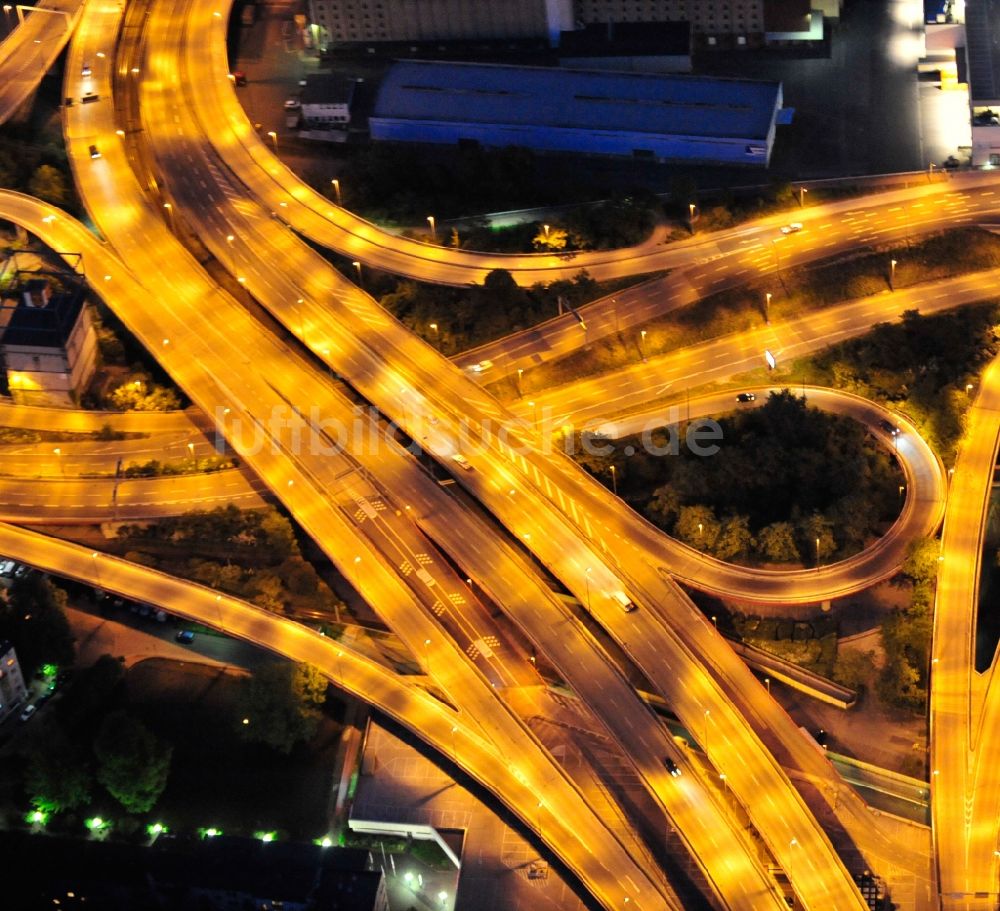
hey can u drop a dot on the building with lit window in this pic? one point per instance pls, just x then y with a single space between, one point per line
12 689
641 115
716 23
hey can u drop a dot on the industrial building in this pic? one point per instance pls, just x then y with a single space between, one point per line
715 23
982 42
640 115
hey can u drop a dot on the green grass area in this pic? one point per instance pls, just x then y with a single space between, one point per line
801 291
922 366
217 778
11 435
810 644
788 484
253 554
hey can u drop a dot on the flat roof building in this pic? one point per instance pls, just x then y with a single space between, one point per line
982 34
47 340
641 115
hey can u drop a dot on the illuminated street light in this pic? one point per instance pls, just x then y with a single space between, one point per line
892 274
614 480
357 265
691 208
274 138
767 307
336 189
802 195
767 683
430 221
62 467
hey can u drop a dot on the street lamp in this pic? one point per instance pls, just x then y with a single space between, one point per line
968 388
614 480
817 551
767 683
357 265
434 328
892 274
430 221
274 138
336 189
767 307
58 453
691 208
191 451
642 343
520 391
802 194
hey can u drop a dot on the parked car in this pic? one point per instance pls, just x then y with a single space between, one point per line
792 228
746 397
29 710
95 152
672 767
185 636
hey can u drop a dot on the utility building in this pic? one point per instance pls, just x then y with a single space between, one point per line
47 340
640 115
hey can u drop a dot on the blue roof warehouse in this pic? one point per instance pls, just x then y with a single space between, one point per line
641 115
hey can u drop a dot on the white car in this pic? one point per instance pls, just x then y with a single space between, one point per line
292 104
29 710
792 228
481 367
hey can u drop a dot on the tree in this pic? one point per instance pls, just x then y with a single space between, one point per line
816 537
551 239
133 763
853 668
48 183
921 563
34 620
697 526
309 684
55 777
278 537
734 538
664 507
776 543
273 710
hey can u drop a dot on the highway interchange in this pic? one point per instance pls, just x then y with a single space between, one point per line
379 516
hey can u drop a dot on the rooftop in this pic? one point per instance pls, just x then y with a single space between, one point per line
580 99
45 327
617 39
982 29
328 88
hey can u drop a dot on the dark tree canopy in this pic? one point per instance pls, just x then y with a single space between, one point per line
34 620
278 705
132 762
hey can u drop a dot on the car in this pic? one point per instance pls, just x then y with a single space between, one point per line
239 77
792 228
29 710
481 367
672 767
86 70
95 152
185 636
746 397
820 736
889 428
461 461
292 104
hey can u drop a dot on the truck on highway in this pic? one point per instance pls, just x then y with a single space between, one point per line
623 601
